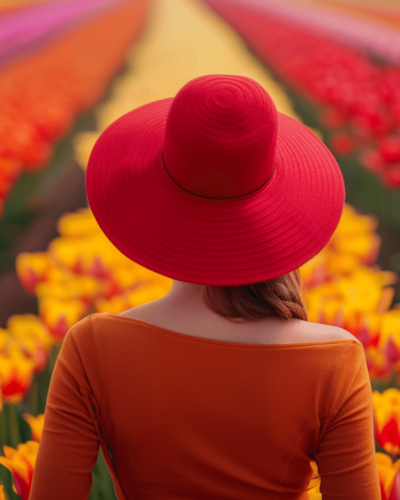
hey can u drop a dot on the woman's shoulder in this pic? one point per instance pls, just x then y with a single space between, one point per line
320 331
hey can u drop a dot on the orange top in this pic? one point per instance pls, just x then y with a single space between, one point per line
183 417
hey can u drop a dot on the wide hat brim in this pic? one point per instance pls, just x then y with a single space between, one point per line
252 238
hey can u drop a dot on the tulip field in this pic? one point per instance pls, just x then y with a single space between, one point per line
323 63
41 95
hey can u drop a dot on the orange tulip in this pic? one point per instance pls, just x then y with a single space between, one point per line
16 374
60 315
386 407
32 268
21 463
33 338
379 367
41 95
389 477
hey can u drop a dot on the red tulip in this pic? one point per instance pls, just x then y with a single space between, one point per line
342 143
371 159
391 176
389 148
332 117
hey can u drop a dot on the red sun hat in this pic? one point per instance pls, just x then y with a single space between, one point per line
215 186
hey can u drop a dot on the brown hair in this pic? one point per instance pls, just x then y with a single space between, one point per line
281 296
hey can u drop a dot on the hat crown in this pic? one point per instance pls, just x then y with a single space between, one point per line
220 136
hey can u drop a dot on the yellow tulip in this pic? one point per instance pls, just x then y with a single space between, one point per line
361 292
16 374
29 326
379 367
68 251
146 294
85 288
126 277
83 144
36 425
21 463
352 222
27 334
77 224
32 268
386 407
390 326
92 254
338 263
315 271
389 477
4 340
60 315
355 235
353 244
116 304
364 247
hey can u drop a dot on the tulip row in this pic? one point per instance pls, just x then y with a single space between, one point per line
42 94
33 27
357 97
370 28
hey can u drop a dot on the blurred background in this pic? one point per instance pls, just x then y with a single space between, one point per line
68 68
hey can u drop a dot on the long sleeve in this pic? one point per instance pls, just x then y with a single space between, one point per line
346 452
69 446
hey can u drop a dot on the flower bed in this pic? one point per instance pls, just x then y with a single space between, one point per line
82 272
42 94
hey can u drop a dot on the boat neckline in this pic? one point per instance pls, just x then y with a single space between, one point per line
225 342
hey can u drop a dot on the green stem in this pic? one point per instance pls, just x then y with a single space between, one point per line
3 429
33 397
13 415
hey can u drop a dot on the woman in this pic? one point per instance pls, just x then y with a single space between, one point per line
221 389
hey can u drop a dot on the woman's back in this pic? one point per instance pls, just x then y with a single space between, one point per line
182 416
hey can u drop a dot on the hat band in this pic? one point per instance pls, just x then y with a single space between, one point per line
223 198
